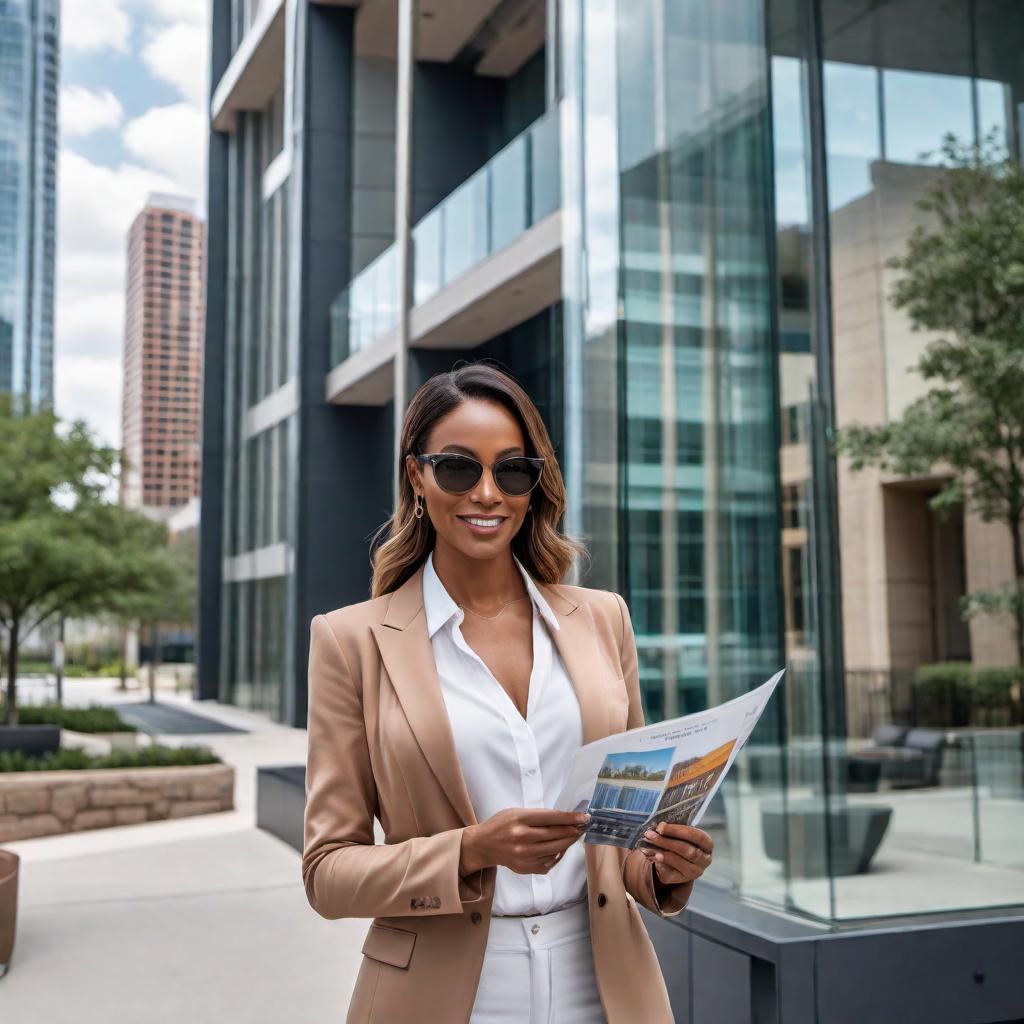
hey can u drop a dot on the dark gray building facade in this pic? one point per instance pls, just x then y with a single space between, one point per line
671 220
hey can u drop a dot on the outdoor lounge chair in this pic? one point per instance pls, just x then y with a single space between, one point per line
908 757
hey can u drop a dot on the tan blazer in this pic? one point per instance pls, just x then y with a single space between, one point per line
381 746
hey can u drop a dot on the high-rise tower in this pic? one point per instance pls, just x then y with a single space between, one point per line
29 76
163 354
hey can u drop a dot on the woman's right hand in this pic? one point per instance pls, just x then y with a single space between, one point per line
527 840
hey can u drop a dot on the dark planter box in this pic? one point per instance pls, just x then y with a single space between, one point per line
281 802
31 740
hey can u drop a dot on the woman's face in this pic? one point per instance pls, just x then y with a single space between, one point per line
488 432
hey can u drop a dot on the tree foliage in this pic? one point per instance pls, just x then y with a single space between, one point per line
66 547
963 278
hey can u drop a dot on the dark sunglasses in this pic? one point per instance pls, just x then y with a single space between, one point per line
516 475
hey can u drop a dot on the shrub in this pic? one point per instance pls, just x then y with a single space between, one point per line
113 670
942 694
95 718
996 691
148 757
954 693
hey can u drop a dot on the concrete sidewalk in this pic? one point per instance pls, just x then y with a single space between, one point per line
201 919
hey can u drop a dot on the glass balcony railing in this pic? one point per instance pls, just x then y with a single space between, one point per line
516 189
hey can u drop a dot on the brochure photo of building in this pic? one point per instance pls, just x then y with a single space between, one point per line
626 794
668 771
689 783
636 790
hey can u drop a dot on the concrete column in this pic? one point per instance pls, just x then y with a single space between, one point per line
211 523
343 454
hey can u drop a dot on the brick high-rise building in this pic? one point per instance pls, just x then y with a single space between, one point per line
163 344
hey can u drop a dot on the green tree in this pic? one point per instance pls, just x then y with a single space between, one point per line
65 546
963 277
173 604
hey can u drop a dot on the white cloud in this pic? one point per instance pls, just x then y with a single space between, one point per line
195 12
97 204
166 148
90 25
172 141
84 111
178 53
96 207
89 389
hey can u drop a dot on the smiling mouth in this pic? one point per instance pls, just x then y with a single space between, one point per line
483 524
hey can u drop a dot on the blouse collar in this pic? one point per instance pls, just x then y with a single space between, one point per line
440 607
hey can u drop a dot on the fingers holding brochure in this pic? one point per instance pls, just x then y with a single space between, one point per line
680 853
658 780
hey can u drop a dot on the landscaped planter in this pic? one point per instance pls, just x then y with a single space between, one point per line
42 803
32 740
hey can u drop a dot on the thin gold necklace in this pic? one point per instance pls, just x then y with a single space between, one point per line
500 610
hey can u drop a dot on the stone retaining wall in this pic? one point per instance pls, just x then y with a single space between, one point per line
48 803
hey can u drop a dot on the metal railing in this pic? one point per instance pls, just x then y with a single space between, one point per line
515 189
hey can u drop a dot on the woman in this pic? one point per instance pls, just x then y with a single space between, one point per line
448 707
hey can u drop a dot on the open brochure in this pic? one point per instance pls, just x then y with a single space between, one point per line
633 780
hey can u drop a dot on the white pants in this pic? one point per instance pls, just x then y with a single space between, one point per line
539 970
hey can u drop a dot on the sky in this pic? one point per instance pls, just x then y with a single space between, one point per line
132 121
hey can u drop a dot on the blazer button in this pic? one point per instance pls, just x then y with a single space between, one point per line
601 899
475 917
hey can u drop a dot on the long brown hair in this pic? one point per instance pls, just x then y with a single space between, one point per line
545 552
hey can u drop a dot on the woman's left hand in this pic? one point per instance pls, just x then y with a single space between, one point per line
679 853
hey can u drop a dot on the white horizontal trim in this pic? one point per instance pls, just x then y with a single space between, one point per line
277 172
255 71
267 563
367 376
277 406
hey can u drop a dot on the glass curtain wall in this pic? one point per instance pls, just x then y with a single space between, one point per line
670 358
29 73
895 81
735 180
700 522
259 525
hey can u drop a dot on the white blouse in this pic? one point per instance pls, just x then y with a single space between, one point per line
506 760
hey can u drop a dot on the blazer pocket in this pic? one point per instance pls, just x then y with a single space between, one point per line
389 945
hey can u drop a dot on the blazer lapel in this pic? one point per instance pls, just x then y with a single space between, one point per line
408 656
580 648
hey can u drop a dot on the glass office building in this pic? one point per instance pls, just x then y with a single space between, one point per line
745 175
29 75
672 220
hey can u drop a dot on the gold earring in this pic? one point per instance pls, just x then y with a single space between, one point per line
419 507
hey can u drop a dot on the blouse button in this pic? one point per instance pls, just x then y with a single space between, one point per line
601 899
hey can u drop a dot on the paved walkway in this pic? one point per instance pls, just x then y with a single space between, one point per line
199 919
